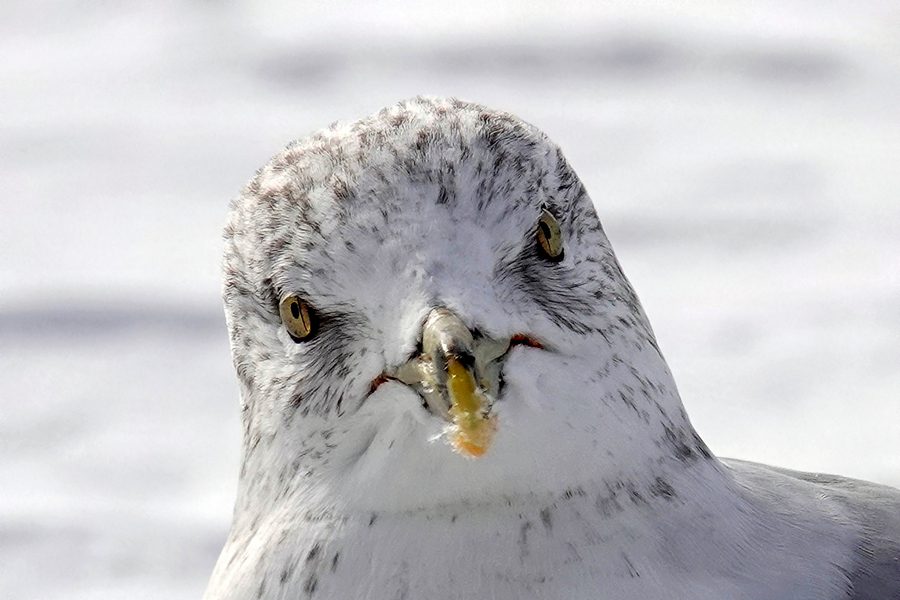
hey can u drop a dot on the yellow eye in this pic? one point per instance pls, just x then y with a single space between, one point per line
549 237
296 318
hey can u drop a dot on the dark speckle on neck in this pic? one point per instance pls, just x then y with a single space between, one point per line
547 518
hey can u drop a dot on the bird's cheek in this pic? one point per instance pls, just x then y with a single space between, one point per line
523 379
391 398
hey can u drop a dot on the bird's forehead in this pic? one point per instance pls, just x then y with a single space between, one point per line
382 253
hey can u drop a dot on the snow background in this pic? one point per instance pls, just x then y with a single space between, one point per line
744 159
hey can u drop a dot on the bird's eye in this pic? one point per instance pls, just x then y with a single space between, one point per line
549 237
295 315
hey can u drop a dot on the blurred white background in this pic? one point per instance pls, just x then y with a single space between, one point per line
744 158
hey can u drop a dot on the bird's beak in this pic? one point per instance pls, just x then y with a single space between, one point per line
459 378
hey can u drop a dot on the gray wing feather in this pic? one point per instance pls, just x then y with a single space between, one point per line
875 511
876 508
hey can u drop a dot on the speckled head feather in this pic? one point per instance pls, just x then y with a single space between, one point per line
349 487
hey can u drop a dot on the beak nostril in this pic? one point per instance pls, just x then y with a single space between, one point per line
463 357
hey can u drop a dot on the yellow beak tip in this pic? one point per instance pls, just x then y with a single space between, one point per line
469 449
473 439
474 428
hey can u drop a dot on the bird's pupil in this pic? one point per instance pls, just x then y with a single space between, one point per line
295 309
545 229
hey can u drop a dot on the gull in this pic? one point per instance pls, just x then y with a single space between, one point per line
449 390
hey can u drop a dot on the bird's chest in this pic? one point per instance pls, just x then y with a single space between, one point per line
539 552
